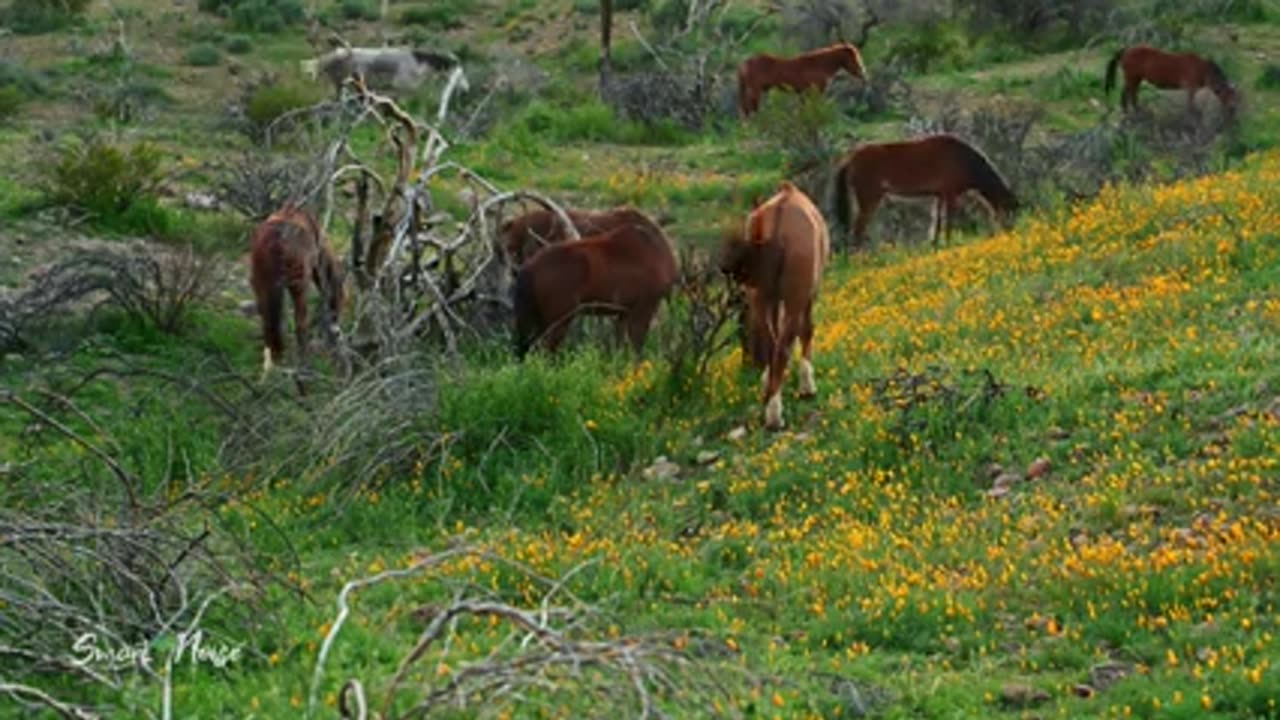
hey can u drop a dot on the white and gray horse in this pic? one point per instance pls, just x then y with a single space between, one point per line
386 68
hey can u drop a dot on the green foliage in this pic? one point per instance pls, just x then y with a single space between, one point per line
257 15
593 121
1269 78
238 44
203 55
444 15
931 46
359 10
14 73
798 124
104 179
271 101
11 100
30 17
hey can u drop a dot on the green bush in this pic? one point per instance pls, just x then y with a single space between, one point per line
1269 78
593 121
359 10
446 15
931 46
11 101
797 123
271 101
13 72
203 55
40 16
238 44
257 15
104 179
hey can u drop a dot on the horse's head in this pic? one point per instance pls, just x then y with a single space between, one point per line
735 254
1230 98
852 61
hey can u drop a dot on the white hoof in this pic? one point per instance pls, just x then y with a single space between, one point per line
266 362
773 413
808 388
764 380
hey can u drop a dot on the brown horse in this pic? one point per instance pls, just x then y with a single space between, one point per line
779 256
288 251
813 69
943 167
525 234
1169 71
625 272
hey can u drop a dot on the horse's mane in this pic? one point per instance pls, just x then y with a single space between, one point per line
985 173
437 61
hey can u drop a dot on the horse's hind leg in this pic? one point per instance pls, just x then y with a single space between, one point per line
868 201
271 311
1129 99
777 373
808 387
637 323
298 293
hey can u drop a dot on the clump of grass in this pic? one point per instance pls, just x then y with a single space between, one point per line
11 101
271 101
359 10
257 15
446 15
203 55
594 121
1269 78
32 17
238 44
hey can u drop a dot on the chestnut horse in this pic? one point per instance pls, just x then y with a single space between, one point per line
779 256
1169 71
525 234
943 167
625 272
288 251
813 69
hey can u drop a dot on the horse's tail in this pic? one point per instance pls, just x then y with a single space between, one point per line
841 189
528 317
1112 64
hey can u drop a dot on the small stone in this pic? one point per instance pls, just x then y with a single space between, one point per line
201 201
661 469
1006 480
706 457
998 492
737 433
1057 433
992 470
1039 468
1022 696
248 308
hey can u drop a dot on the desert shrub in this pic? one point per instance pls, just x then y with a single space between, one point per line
127 98
446 15
1269 78
655 98
887 89
1046 24
104 179
798 124
41 16
14 73
594 121
929 46
257 15
269 102
238 44
203 55
359 10
11 101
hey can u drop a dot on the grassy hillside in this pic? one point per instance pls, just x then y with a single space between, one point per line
1039 480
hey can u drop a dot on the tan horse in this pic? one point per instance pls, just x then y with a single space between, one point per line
813 69
288 252
780 255
1169 71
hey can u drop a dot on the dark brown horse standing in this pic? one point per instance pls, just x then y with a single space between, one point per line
813 69
625 272
1169 71
525 234
943 167
288 252
780 256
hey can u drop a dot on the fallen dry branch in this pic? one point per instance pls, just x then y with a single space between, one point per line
552 655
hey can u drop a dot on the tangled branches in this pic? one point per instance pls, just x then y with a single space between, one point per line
551 654
158 287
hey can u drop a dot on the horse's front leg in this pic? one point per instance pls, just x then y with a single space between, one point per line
808 387
298 293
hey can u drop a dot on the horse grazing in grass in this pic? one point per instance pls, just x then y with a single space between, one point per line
779 256
813 69
525 234
288 251
1169 71
624 272
943 167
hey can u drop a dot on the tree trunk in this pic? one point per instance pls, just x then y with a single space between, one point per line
606 41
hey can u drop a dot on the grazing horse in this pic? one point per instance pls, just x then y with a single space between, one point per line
943 167
813 69
384 68
779 256
1169 71
523 235
288 251
624 272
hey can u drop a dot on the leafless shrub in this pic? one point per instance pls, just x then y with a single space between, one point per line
158 287
814 23
257 184
887 89
556 651
700 316
650 97
108 561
